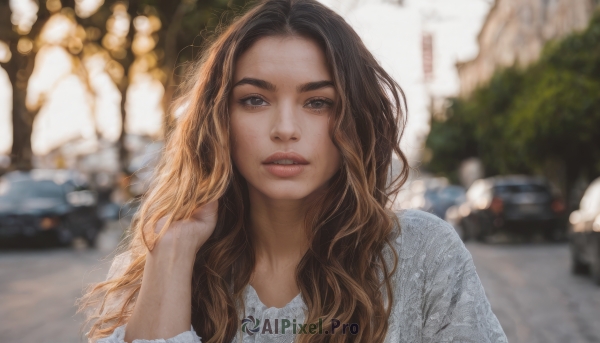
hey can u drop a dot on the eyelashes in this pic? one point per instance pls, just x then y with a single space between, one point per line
250 101
324 103
315 104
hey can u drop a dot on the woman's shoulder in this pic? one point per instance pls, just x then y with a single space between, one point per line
438 283
426 234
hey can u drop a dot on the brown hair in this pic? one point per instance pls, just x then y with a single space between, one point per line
344 274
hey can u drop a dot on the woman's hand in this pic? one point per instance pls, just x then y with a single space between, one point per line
163 309
189 235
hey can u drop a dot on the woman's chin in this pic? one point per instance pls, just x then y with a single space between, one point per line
290 195
288 191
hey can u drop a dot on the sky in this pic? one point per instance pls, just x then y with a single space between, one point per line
392 33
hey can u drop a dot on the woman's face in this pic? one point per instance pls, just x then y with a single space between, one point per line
282 101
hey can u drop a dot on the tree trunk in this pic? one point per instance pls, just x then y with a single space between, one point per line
123 152
19 69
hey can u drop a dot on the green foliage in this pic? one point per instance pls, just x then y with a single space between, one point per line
448 141
523 117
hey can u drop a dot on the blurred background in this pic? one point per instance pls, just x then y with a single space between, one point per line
503 136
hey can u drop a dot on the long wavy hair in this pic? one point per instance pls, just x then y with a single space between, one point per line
345 273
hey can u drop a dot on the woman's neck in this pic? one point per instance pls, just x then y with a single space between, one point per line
278 233
280 241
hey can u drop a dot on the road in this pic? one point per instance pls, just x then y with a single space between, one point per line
529 286
38 289
533 294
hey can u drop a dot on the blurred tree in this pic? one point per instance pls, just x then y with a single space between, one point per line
475 127
177 40
449 143
522 119
19 68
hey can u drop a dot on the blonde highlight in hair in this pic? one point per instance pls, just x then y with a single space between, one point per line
344 274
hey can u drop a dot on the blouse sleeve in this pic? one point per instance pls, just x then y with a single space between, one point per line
118 267
185 337
456 308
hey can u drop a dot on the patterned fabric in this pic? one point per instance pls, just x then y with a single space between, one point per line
438 296
185 337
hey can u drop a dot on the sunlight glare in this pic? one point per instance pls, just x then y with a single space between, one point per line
86 8
107 104
65 116
24 14
143 106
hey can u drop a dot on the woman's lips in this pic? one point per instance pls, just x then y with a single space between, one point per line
289 155
284 170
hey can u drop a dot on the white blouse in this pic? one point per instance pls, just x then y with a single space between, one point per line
438 296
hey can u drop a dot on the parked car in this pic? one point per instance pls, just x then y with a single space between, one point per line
584 233
516 204
51 205
439 199
414 196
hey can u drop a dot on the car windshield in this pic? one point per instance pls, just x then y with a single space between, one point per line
522 188
30 189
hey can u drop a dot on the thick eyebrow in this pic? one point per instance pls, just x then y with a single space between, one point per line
256 82
311 86
306 87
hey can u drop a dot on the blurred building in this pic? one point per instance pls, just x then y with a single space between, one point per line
515 32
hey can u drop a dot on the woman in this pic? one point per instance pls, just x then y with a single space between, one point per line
269 216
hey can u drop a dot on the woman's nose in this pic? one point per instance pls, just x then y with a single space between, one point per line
285 123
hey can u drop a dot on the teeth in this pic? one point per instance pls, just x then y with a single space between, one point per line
284 162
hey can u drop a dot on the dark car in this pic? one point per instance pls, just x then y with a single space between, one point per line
49 206
584 233
515 204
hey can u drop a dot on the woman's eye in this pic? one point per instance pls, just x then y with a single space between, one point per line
319 104
254 101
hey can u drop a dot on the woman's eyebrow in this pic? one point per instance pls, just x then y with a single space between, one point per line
256 82
311 86
306 87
